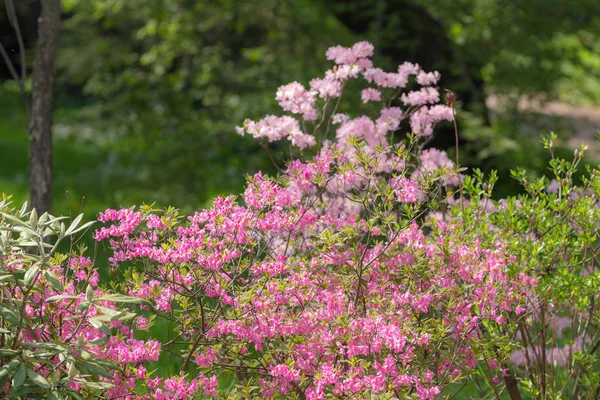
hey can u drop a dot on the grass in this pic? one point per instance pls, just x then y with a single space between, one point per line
78 166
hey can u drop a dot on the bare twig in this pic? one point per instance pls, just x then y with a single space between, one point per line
19 78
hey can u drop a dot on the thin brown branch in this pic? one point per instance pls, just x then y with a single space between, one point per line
14 75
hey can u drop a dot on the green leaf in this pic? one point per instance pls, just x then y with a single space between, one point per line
33 218
27 230
120 316
120 298
46 345
97 385
9 315
82 227
100 342
14 219
6 369
60 297
25 389
56 219
83 306
8 352
31 273
76 396
89 293
19 377
74 225
54 396
96 323
53 279
38 379
93 368
108 311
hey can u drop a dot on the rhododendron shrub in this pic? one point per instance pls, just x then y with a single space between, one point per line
552 231
334 279
370 268
309 290
61 334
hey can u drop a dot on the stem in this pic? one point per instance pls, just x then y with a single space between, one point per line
457 155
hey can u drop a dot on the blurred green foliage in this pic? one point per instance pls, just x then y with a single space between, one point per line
521 49
182 74
528 47
150 91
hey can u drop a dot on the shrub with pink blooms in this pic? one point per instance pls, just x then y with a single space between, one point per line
373 269
62 335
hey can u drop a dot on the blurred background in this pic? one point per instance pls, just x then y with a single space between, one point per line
148 92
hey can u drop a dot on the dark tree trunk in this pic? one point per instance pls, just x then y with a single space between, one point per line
40 121
512 386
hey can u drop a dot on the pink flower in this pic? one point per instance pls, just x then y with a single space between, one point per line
426 95
276 128
406 190
350 55
370 94
141 323
428 78
329 86
295 98
424 119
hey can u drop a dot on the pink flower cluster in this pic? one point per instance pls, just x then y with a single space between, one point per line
294 98
322 274
277 128
406 190
60 307
340 278
311 297
425 118
352 63
432 160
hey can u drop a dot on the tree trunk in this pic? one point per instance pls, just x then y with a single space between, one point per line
512 385
40 121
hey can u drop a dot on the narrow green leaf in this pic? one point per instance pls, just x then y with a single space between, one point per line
31 273
33 218
53 279
10 315
23 390
45 345
100 342
23 209
82 227
8 352
38 379
96 323
93 368
27 230
74 225
19 377
60 297
120 298
14 219
97 385
7 369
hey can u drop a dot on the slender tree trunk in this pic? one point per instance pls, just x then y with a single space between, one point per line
40 120
512 385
